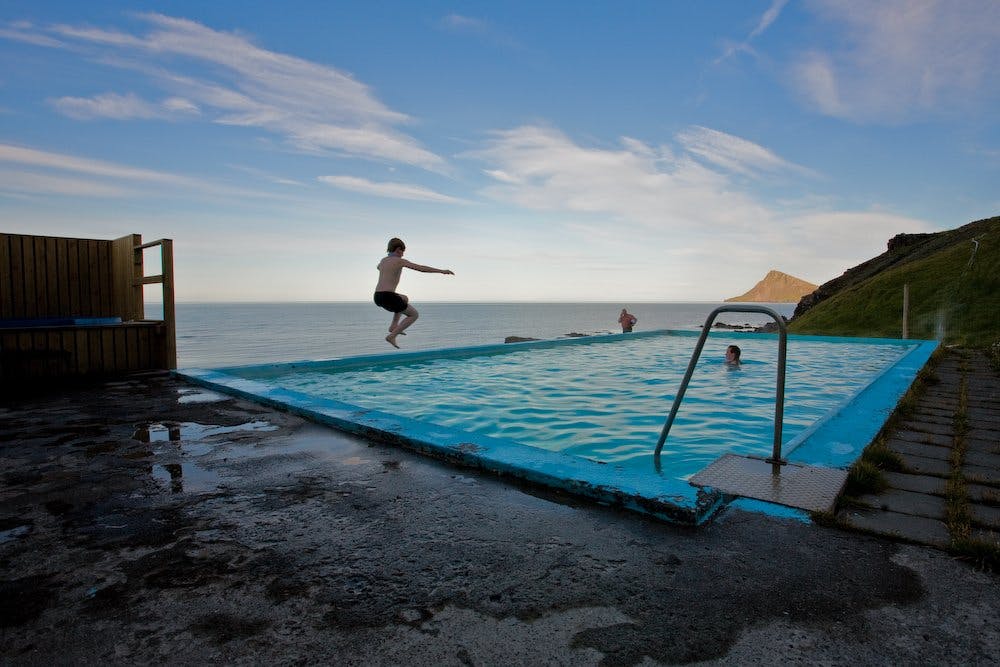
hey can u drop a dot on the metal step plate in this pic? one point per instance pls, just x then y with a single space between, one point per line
801 486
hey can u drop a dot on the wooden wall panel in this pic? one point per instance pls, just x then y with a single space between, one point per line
63 286
6 283
49 277
28 305
73 277
41 290
53 352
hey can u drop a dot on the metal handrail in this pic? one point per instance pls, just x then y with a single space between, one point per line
779 398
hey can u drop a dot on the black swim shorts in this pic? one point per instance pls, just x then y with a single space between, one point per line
394 303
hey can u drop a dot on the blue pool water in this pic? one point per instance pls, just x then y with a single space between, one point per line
607 401
587 412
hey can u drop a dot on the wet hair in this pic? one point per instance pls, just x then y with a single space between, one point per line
395 244
735 349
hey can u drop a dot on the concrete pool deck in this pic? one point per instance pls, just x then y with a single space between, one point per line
148 520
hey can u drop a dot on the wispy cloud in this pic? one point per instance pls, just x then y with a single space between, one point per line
31 182
540 167
59 161
484 30
41 172
733 153
25 32
896 60
122 107
388 189
314 107
459 23
766 19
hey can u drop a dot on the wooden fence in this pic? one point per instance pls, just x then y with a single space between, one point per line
75 307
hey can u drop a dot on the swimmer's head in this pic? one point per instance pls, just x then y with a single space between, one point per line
395 244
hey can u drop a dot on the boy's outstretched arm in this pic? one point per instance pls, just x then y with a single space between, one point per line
427 269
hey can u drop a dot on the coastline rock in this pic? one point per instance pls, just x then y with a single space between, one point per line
734 327
517 339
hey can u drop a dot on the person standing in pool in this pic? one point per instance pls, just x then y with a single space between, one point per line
627 320
390 269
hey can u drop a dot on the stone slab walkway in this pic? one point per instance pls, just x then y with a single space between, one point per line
944 435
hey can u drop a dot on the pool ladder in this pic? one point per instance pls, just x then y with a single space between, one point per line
779 397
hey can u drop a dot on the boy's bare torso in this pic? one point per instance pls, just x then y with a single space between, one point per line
390 269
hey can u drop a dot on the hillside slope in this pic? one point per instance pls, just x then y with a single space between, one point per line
776 287
954 286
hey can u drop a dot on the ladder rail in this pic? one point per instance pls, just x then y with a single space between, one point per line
779 397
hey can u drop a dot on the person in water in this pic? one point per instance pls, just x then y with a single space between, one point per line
390 269
627 320
733 353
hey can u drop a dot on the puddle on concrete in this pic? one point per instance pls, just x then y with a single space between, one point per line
12 534
200 396
193 440
193 431
185 477
354 461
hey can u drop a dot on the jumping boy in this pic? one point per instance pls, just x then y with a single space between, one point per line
390 269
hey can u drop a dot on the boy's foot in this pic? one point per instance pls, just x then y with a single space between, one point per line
391 339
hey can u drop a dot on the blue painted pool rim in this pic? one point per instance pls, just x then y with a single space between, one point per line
834 441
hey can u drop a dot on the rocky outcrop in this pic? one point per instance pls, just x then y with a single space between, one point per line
776 287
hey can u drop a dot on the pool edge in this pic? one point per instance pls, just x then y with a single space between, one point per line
667 499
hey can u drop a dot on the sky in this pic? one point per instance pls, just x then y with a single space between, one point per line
544 151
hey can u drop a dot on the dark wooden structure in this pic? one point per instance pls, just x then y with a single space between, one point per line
75 307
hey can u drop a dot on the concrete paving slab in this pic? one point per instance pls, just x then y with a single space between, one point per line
925 409
938 401
916 483
902 526
981 474
919 449
985 515
987 536
920 425
980 493
924 466
981 445
943 420
987 418
907 502
982 459
923 438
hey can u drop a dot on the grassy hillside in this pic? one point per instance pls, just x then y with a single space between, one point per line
954 291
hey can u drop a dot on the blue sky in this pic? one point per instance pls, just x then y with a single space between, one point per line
544 151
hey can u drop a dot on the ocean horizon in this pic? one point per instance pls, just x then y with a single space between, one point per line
211 335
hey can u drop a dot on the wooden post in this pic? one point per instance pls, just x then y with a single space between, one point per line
169 315
906 310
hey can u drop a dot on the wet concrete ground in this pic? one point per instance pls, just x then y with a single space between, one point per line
147 520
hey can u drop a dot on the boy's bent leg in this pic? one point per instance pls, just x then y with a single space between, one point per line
411 317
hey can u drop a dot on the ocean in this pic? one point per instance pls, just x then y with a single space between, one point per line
211 335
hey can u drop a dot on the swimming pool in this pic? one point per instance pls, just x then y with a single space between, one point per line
584 414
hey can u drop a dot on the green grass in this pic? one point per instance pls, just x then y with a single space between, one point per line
954 297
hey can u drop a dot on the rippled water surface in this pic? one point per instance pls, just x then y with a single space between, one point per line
607 401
